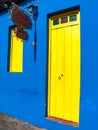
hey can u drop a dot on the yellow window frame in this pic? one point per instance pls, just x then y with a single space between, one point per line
16 53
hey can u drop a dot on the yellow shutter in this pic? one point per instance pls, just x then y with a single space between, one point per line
16 53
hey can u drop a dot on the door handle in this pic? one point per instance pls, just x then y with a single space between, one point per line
60 76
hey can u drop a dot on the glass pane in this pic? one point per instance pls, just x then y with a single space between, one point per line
64 20
56 22
73 18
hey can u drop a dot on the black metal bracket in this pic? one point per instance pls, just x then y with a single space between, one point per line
34 11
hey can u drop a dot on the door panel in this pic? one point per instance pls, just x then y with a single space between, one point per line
67 73
53 67
75 89
59 72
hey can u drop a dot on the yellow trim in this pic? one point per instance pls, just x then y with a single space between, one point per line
65 14
49 69
65 24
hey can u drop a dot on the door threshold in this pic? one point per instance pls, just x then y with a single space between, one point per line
71 123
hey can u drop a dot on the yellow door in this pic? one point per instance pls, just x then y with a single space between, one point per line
64 67
16 53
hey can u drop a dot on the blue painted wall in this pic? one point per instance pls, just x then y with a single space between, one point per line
23 95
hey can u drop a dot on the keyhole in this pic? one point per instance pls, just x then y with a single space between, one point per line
59 77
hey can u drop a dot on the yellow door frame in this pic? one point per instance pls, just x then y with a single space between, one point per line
69 23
